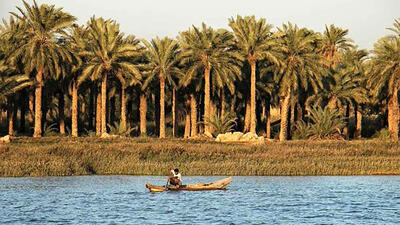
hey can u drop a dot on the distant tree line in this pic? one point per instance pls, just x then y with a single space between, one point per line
58 77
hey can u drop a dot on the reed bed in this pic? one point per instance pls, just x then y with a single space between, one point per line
63 156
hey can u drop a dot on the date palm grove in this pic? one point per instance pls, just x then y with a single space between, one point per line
283 82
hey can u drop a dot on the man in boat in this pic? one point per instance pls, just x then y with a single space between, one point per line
176 178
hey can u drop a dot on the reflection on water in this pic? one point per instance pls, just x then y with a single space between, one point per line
249 200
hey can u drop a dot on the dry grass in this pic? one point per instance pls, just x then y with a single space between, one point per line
55 156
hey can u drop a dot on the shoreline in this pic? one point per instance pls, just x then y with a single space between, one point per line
221 176
65 156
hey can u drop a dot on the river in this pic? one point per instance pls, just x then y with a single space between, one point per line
248 200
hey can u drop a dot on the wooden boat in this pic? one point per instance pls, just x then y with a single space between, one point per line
217 185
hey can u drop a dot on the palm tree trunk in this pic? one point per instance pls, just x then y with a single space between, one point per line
143 112
22 124
332 103
111 107
162 105
393 115
174 125
10 116
98 113
247 117
81 116
268 120
259 108
223 102
31 103
15 112
38 104
289 123
346 121
206 98
123 108
61 114
104 104
298 111
285 104
187 121
129 112
253 119
200 114
233 103
263 116
389 114
213 111
157 112
74 109
187 126
193 113
91 106
358 122
46 99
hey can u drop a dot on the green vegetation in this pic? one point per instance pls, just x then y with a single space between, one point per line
323 124
221 124
83 80
57 156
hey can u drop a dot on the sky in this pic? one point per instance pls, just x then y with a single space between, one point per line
366 20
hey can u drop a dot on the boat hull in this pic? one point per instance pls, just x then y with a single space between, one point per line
217 185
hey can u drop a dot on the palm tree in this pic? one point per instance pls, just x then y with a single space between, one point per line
10 82
334 40
395 28
143 112
163 58
11 78
268 94
9 86
254 39
356 61
40 50
333 43
385 76
131 76
300 69
209 52
344 85
108 55
77 43
222 82
12 34
13 84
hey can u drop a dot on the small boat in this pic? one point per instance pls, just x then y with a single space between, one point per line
217 185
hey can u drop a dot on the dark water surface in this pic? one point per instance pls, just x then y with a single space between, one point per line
249 200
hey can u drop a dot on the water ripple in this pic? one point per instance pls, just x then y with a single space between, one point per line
249 200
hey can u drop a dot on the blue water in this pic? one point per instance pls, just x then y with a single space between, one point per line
249 200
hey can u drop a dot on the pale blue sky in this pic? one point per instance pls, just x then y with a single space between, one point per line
366 19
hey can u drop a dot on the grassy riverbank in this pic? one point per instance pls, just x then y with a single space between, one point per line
55 156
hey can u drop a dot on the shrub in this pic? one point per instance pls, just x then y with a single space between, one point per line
50 130
221 124
120 130
383 134
323 124
302 130
90 133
